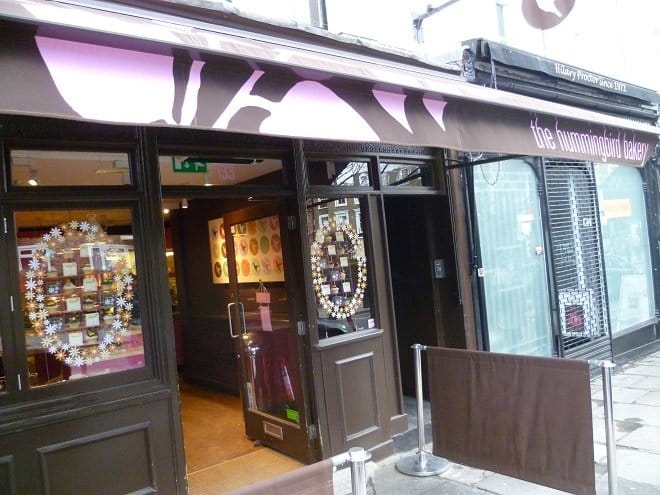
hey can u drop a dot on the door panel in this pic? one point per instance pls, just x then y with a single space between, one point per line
354 377
264 329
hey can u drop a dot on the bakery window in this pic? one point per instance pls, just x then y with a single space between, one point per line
405 174
38 168
79 297
343 173
340 273
206 169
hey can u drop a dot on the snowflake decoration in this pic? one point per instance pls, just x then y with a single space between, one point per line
347 305
71 235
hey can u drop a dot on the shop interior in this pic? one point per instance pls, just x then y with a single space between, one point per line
221 451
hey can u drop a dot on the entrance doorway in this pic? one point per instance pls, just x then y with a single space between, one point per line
233 278
425 290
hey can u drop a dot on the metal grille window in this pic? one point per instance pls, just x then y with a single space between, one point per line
578 259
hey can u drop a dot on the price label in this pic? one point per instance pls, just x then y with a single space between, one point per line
90 284
69 268
92 320
73 304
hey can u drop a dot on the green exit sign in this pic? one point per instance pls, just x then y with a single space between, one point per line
189 166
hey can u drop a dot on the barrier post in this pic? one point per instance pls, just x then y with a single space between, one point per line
358 457
423 463
606 368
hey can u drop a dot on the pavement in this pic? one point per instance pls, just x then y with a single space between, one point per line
636 404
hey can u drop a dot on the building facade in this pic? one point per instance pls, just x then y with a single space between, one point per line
316 220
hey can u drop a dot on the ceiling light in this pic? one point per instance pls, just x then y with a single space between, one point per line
184 203
32 181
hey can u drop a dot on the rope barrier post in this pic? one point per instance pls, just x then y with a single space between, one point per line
423 463
606 368
358 457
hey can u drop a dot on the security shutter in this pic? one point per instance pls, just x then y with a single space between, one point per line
577 260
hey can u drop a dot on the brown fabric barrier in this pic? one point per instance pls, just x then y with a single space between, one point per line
314 479
526 417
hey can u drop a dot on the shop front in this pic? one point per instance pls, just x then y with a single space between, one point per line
214 240
565 246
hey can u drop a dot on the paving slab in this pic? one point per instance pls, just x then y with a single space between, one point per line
638 466
627 395
646 438
637 413
644 370
650 399
624 380
647 383
505 485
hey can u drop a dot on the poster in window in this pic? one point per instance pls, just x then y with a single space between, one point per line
257 244
218 251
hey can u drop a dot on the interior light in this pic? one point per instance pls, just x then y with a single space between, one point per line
184 203
33 181
166 211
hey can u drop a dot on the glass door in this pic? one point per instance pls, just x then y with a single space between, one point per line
264 329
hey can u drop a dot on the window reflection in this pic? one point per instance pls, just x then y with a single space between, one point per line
201 170
347 173
339 268
78 279
36 168
405 174
625 245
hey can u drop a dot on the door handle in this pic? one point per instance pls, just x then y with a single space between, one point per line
244 329
231 326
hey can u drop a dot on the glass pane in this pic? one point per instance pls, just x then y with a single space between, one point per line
269 347
78 276
339 173
339 268
511 242
625 245
3 383
405 174
219 171
68 168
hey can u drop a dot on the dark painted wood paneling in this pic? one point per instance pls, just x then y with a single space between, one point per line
7 485
127 450
113 462
354 379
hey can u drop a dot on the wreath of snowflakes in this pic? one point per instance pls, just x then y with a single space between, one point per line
63 236
349 306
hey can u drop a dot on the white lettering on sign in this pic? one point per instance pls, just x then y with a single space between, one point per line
600 146
578 75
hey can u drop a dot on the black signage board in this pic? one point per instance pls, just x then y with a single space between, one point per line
525 60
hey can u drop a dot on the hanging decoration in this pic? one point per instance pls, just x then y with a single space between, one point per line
339 269
67 238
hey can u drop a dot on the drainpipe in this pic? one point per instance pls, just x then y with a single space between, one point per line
417 21
318 14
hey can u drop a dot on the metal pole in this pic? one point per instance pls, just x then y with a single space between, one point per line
423 463
358 457
606 367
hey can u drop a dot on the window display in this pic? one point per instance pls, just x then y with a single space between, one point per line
79 302
339 268
626 246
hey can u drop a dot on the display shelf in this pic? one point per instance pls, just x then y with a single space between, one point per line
78 301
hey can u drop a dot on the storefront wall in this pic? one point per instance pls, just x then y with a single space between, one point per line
586 228
134 408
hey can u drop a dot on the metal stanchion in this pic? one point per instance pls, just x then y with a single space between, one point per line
358 457
423 463
606 368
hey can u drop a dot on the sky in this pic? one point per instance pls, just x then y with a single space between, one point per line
616 38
